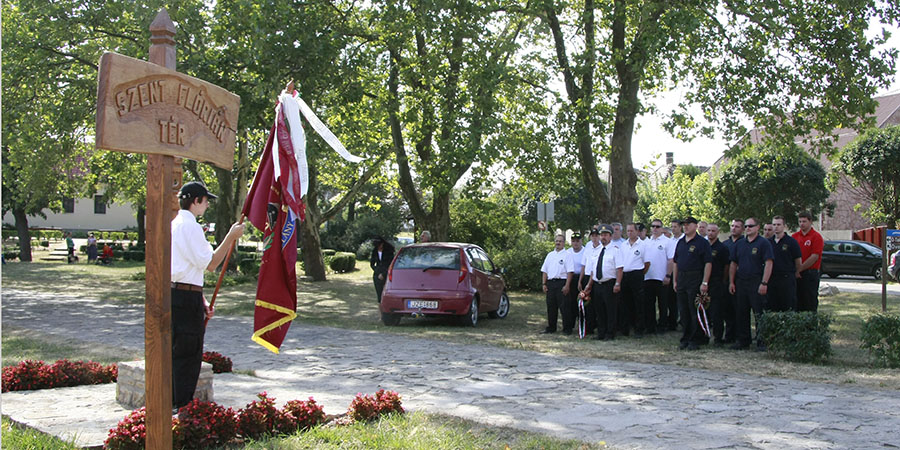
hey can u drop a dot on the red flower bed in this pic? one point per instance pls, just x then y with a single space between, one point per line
366 407
131 432
302 415
220 363
29 375
261 417
204 424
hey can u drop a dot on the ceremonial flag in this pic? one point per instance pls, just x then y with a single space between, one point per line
274 205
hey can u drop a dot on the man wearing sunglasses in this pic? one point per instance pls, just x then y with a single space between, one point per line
751 267
657 278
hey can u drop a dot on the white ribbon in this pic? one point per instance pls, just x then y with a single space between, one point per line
581 317
704 323
326 134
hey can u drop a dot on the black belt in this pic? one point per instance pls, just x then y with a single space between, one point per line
556 280
187 287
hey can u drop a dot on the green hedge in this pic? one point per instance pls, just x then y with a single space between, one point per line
343 262
249 267
523 261
797 336
328 252
133 255
881 338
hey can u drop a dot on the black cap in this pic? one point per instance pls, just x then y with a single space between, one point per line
195 189
690 219
576 235
605 229
594 231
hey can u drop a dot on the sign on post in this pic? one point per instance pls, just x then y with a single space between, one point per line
545 212
148 107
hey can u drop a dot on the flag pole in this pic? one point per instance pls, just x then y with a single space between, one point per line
222 275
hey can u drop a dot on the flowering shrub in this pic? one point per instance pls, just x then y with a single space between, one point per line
301 415
260 417
29 375
219 362
366 407
131 432
204 424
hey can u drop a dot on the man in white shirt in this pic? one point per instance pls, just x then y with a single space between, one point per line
634 265
605 275
670 320
570 313
617 238
557 276
657 279
191 255
591 251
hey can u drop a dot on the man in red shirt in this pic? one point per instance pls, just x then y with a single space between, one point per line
811 245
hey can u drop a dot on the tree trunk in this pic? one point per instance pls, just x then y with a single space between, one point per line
225 204
24 237
351 211
600 206
142 231
438 220
622 179
241 177
310 243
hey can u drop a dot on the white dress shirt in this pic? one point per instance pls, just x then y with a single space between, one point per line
590 254
191 253
612 260
577 260
659 252
557 264
633 255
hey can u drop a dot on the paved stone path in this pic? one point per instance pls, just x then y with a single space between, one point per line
628 405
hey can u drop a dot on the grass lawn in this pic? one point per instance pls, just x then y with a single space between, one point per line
348 301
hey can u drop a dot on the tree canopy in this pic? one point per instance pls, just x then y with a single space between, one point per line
872 163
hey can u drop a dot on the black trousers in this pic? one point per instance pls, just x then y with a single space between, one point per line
721 310
782 294
631 306
808 290
379 284
605 305
556 303
747 293
688 288
188 316
654 292
668 309
570 313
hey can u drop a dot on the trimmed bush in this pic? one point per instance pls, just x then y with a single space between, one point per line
881 338
247 248
133 255
343 262
249 267
328 252
797 336
523 261
11 255
30 375
364 252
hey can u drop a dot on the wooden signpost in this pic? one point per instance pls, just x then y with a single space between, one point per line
148 107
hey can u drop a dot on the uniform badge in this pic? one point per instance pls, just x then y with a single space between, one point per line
715 252
784 247
660 247
808 243
691 249
637 253
754 251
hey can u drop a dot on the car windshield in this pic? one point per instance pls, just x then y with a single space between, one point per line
428 258
875 250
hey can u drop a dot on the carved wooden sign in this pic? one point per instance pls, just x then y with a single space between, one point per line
146 108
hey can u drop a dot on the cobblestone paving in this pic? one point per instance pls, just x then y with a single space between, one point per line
627 405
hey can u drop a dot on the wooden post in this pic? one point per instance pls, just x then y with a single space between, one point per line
158 303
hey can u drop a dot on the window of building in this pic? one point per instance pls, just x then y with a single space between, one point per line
99 205
69 205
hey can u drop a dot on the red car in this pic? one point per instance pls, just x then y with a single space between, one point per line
443 278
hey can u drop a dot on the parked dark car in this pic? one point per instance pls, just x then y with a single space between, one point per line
851 258
443 278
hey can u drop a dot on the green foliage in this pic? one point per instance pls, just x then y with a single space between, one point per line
872 163
369 223
249 267
523 260
688 192
768 180
797 336
232 278
881 338
133 255
494 225
343 262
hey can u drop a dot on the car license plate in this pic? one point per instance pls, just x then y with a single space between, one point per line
421 304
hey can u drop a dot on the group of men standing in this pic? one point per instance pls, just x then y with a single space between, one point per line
647 284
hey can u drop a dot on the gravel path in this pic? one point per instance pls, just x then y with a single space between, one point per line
627 405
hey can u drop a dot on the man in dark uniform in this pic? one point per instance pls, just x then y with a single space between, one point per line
785 269
693 264
730 305
605 282
380 261
718 286
751 267
191 255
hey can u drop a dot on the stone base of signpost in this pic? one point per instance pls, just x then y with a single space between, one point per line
130 384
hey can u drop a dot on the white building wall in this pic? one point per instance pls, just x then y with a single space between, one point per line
117 217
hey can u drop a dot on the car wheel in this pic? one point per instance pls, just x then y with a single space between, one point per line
876 272
503 310
471 319
389 319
